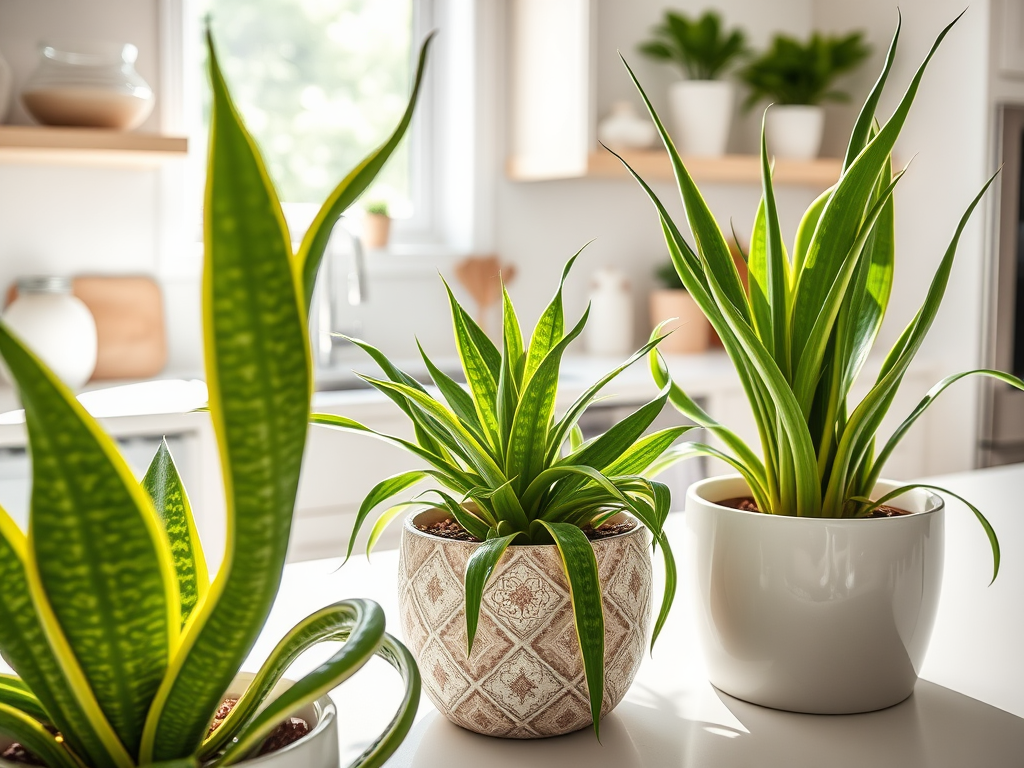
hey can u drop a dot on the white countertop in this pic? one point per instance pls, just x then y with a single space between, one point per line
966 711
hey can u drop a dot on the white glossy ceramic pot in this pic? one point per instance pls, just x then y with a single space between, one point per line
701 116
317 749
525 678
826 616
794 131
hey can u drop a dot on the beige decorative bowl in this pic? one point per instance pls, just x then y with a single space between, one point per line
525 678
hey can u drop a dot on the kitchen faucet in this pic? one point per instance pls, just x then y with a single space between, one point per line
327 293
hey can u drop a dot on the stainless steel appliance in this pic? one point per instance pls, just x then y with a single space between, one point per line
1002 423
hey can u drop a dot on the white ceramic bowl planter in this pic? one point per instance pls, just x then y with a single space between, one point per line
317 749
702 115
525 677
794 131
827 616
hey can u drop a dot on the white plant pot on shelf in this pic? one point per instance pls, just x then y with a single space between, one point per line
816 615
794 131
701 116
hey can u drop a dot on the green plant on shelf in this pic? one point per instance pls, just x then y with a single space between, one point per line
700 47
795 72
668 278
802 334
122 647
377 208
511 473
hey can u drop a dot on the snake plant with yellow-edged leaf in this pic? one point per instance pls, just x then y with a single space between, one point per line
122 646
799 337
512 473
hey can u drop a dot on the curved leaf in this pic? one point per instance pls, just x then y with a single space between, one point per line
35 738
862 128
358 623
580 566
314 242
866 507
14 693
258 374
98 547
164 486
381 492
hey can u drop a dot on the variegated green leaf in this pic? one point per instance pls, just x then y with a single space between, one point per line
580 566
258 375
100 551
14 693
32 643
165 488
34 737
381 492
479 568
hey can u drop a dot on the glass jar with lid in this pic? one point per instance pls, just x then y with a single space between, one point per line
89 84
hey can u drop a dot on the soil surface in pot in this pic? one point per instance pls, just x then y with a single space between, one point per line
450 529
292 729
747 504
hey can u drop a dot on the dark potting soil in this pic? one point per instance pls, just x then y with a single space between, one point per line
746 504
292 729
450 529
18 754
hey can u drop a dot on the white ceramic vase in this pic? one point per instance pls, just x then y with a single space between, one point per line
794 131
825 616
317 749
55 325
701 116
623 128
609 330
6 88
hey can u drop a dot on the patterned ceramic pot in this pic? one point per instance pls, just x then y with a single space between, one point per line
525 678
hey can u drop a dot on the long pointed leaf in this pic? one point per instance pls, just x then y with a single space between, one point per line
258 373
99 548
580 566
164 486
14 693
314 243
862 128
479 568
381 492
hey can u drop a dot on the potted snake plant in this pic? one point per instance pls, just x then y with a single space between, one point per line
525 583
125 652
816 581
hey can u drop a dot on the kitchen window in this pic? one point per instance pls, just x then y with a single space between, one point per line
322 82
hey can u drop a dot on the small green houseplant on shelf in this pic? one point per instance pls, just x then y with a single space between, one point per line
702 104
376 224
835 603
122 648
798 77
497 611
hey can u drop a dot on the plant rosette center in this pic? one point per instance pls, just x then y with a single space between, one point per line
819 615
525 675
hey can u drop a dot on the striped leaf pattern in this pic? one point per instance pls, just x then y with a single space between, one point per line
164 486
99 549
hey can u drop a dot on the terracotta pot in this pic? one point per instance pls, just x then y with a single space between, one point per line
818 615
525 678
317 749
376 231
692 331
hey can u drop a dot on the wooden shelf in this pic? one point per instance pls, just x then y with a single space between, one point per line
87 146
654 165
730 169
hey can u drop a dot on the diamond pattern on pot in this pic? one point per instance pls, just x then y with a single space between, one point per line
522 597
521 685
525 677
442 677
437 591
490 645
